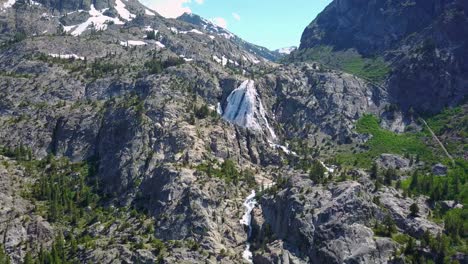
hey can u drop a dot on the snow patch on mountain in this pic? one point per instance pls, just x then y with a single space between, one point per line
196 31
245 108
287 50
66 56
132 43
159 44
217 59
224 61
122 10
96 19
8 4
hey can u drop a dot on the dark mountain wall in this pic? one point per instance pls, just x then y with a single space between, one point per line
423 42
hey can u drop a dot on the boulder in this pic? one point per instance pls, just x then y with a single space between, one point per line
387 161
439 170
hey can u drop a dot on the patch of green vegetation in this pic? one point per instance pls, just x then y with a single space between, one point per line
4 259
228 172
384 141
68 190
451 126
101 68
317 172
373 69
156 65
15 75
385 229
401 238
443 121
17 37
20 152
453 186
68 195
71 64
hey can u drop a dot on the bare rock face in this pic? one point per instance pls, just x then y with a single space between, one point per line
387 161
321 104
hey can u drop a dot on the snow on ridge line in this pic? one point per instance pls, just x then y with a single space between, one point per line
122 10
66 56
149 13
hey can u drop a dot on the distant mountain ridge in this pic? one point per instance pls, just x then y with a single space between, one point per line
217 30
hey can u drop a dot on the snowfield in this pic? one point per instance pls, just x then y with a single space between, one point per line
122 10
97 20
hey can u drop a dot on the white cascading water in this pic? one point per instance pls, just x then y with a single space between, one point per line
244 108
246 220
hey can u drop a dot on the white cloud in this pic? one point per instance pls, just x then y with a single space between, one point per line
219 21
236 16
171 8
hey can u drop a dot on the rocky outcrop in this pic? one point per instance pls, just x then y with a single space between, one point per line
332 223
22 229
439 170
392 161
321 104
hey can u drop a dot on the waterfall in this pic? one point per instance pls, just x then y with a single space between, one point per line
249 205
245 108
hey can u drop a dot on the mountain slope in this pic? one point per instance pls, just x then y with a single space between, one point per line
127 137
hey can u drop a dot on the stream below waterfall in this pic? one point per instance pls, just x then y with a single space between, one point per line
249 205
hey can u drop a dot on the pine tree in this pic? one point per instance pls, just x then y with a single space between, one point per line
374 173
28 259
317 172
414 209
389 176
414 181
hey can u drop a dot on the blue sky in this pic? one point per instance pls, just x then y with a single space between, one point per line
270 23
